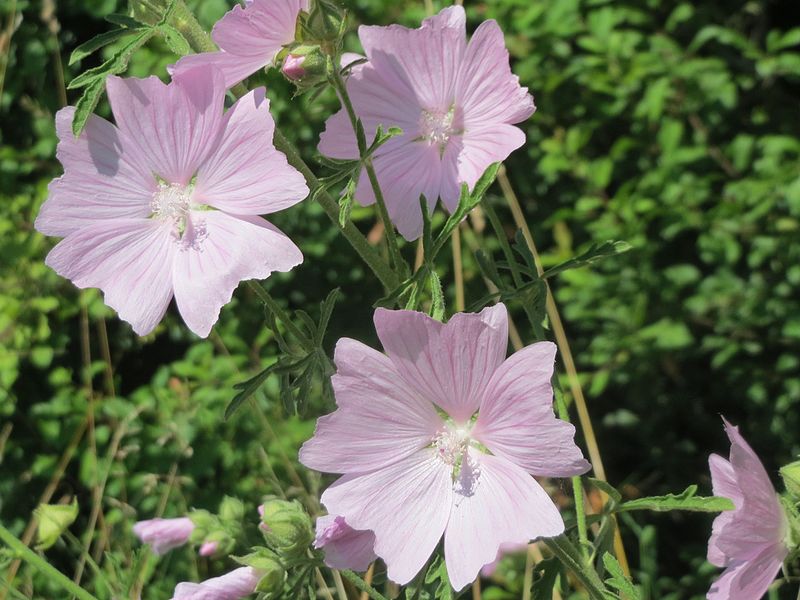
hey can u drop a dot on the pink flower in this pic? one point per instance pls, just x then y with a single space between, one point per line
750 541
164 534
237 584
166 202
208 548
293 67
455 102
249 38
345 548
411 474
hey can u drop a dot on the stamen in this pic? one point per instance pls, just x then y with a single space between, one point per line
437 127
171 202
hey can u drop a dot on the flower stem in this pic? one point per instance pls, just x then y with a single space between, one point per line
570 557
395 258
280 314
200 41
362 585
41 565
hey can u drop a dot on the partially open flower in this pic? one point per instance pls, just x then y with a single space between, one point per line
237 584
164 534
345 548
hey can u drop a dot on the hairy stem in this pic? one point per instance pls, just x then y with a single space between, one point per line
41 565
570 557
362 585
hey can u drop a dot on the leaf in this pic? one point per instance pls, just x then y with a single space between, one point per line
595 252
247 389
686 500
115 64
86 105
346 202
174 39
98 42
606 488
545 575
125 21
618 580
437 296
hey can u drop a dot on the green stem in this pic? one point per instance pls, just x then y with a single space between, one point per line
200 41
570 557
362 585
41 565
280 314
395 258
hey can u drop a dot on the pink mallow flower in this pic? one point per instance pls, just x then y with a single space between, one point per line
345 548
441 437
750 541
249 38
167 201
164 534
237 584
456 103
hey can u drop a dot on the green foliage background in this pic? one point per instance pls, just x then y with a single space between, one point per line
671 125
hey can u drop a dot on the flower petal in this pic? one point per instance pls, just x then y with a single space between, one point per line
104 178
345 548
450 365
494 503
237 584
218 251
723 481
749 580
406 505
380 419
129 259
235 68
175 125
516 419
482 147
245 174
486 89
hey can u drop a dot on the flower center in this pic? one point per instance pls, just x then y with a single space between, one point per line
437 127
451 444
171 203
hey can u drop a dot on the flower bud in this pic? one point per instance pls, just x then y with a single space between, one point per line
270 569
208 548
231 510
287 527
306 66
325 21
52 522
164 534
791 479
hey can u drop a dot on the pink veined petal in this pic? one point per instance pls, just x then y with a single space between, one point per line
262 28
421 63
451 364
235 68
749 579
345 548
482 147
380 419
130 260
104 178
494 503
723 481
516 419
220 250
175 125
406 505
486 89
451 16
245 174
237 584
760 519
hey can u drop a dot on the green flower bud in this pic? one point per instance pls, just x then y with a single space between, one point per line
325 21
52 521
286 526
305 66
273 572
231 510
791 479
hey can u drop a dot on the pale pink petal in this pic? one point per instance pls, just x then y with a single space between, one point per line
516 419
245 174
338 139
486 89
249 38
164 534
177 125
451 16
418 63
345 548
104 178
130 260
237 584
450 364
494 503
218 251
749 580
723 481
406 505
234 67
208 548
482 147
380 420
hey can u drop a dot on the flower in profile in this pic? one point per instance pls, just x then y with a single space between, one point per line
456 103
345 548
164 534
249 38
750 542
166 202
237 584
440 436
